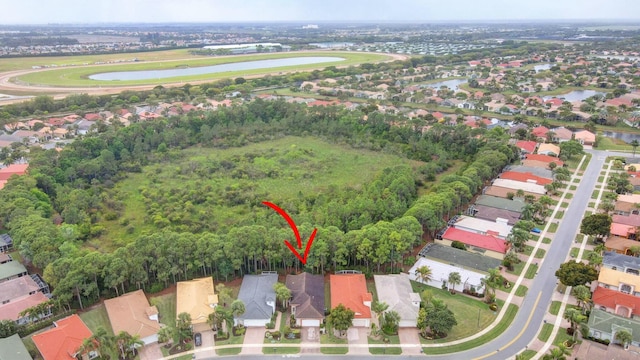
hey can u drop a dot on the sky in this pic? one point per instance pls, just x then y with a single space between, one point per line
161 11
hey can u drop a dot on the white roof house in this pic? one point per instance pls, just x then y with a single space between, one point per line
499 228
395 290
520 185
471 280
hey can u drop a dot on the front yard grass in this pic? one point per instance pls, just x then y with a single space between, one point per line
554 307
280 350
559 215
393 339
553 227
166 308
328 339
546 240
531 271
517 268
545 332
492 334
569 196
574 252
540 253
472 315
521 291
232 340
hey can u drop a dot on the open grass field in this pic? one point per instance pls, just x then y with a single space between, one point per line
305 165
166 308
97 318
472 315
78 75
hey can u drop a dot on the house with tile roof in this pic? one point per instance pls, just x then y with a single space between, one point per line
307 298
615 302
594 350
197 298
620 245
259 298
18 288
12 348
543 158
549 149
603 325
631 220
133 314
11 310
483 244
527 187
395 290
561 134
537 171
499 228
622 230
62 342
525 177
505 193
350 290
627 204
526 147
493 214
619 281
585 137
540 132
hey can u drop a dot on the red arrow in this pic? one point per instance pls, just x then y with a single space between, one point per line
293 226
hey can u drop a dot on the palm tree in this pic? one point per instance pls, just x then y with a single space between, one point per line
518 238
583 295
103 340
424 274
391 321
634 144
624 337
575 317
600 249
237 308
134 343
183 326
87 346
635 251
379 308
282 293
122 340
454 279
557 353
595 259
165 334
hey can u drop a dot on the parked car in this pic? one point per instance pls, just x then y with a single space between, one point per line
197 337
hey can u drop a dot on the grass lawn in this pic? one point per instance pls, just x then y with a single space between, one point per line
545 333
595 193
79 76
540 253
574 252
166 308
553 227
554 307
546 240
517 268
97 318
497 330
521 291
570 195
233 340
564 204
280 350
472 315
591 204
562 336
528 354
327 339
393 339
528 250
15 255
371 287
531 271
559 215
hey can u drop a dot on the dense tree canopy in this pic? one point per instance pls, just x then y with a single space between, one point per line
576 273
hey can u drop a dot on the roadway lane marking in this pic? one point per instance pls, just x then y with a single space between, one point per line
526 325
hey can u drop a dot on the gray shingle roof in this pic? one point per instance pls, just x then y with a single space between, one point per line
500 203
620 261
492 213
255 291
538 171
459 257
307 292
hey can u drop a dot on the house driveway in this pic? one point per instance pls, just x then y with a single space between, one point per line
253 340
409 336
207 342
358 342
150 352
310 336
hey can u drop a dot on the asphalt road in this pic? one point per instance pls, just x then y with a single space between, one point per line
529 318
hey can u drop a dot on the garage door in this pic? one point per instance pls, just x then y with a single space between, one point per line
361 322
310 322
248 322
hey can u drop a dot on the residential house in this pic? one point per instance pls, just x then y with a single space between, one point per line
537 171
620 245
631 220
483 244
4 257
603 325
515 128
197 298
526 147
493 214
307 298
6 244
505 193
460 258
594 350
500 203
514 185
549 149
621 262
615 302
561 134
440 270
64 339
133 314
259 298
11 311
499 228
12 348
622 230
350 290
540 132
543 158
11 270
627 204
19 288
620 281
395 290
525 177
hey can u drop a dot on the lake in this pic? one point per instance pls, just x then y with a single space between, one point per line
626 137
238 66
576 95
451 84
